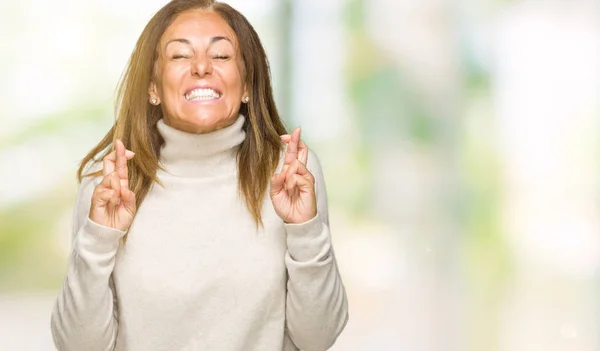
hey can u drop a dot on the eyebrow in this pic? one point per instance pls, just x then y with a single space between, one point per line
216 39
180 40
185 41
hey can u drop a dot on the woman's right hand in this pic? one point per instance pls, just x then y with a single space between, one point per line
113 204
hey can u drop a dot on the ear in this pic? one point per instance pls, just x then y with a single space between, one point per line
245 94
153 92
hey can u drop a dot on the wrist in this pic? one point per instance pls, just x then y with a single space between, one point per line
301 220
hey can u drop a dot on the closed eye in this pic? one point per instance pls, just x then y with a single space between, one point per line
178 56
221 57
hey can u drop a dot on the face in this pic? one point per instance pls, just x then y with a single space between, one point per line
199 82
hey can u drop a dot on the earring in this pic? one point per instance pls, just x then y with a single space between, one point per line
246 99
153 101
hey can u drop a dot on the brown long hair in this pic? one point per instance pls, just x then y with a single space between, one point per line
136 118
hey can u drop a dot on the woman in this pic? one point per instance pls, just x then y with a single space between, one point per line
199 230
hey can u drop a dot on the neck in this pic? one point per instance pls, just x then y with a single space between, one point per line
192 128
210 154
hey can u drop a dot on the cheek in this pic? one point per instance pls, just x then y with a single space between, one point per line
171 80
235 81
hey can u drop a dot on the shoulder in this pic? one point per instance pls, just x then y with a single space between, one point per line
313 163
90 179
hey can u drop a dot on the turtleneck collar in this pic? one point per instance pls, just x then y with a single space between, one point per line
201 155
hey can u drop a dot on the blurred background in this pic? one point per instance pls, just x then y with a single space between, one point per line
460 142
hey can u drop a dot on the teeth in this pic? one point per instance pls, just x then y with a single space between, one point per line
202 94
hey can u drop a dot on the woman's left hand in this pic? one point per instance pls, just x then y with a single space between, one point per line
293 190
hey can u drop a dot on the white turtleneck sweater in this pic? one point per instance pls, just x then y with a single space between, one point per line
195 273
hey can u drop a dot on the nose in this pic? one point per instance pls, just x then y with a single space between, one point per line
201 66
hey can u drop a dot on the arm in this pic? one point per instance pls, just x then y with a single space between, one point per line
84 315
317 307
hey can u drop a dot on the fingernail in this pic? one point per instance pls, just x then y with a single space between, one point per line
129 153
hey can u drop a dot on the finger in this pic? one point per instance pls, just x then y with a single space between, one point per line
121 164
103 196
292 147
297 167
302 148
106 182
298 183
277 183
115 185
111 182
113 155
128 200
109 161
302 152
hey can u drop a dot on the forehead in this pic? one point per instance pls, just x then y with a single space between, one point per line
198 24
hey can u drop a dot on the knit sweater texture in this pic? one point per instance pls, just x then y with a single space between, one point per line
195 272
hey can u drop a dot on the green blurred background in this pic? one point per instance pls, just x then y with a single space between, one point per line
459 141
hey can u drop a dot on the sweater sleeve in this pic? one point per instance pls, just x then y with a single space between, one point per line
84 315
316 306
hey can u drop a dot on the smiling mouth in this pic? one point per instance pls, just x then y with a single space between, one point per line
202 94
